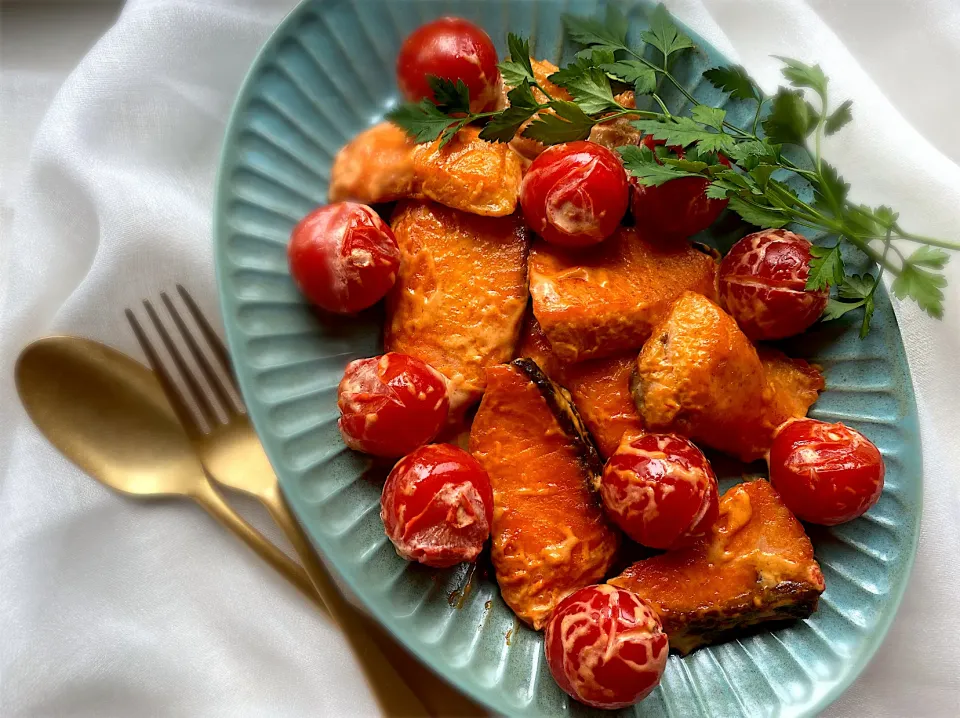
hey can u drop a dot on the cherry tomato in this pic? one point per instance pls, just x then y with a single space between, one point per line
676 209
391 404
575 194
605 646
825 473
437 506
455 49
661 490
343 257
762 282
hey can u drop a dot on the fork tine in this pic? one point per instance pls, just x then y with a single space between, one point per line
205 408
211 336
212 379
180 408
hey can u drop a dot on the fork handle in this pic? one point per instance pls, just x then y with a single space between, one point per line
213 503
392 691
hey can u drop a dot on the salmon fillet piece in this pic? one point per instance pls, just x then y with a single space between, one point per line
470 174
756 566
383 164
699 376
375 166
620 132
605 300
600 387
549 535
460 294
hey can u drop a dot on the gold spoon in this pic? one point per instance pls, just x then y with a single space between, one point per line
108 415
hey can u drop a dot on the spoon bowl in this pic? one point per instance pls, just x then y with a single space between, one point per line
101 409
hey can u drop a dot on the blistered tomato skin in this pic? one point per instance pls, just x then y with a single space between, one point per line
575 194
454 49
343 257
825 473
762 285
391 404
605 647
661 490
437 506
676 209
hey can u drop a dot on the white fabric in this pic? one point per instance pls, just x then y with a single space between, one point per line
114 608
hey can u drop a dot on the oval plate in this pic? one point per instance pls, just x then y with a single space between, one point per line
327 73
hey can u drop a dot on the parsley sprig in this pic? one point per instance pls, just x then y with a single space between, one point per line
776 175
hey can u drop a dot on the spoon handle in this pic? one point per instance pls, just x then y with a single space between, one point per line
392 691
213 503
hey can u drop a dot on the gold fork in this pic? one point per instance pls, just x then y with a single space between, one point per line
231 453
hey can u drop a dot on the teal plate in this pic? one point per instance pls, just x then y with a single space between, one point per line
327 73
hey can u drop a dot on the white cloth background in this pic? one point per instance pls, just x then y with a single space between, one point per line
114 608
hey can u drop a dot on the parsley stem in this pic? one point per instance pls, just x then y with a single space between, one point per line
932 241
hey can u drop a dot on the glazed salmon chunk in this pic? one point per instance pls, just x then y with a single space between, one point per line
376 166
605 300
470 174
460 294
383 164
756 566
600 388
699 376
549 533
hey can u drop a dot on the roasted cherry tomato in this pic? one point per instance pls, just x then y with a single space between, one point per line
605 646
676 209
762 285
437 506
391 404
343 257
575 194
825 473
661 490
455 49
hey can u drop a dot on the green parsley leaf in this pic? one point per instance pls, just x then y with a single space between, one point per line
423 121
590 31
513 73
504 126
802 75
791 118
664 35
857 286
885 215
633 72
867 316
826 267
642 164
735 80
718 189
752 153
831 192
761 174
589 86
836 309
451 97
518 67
923 286
686 165
758 215
569 124
684 131
710 116
596 56
838 118
927 256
